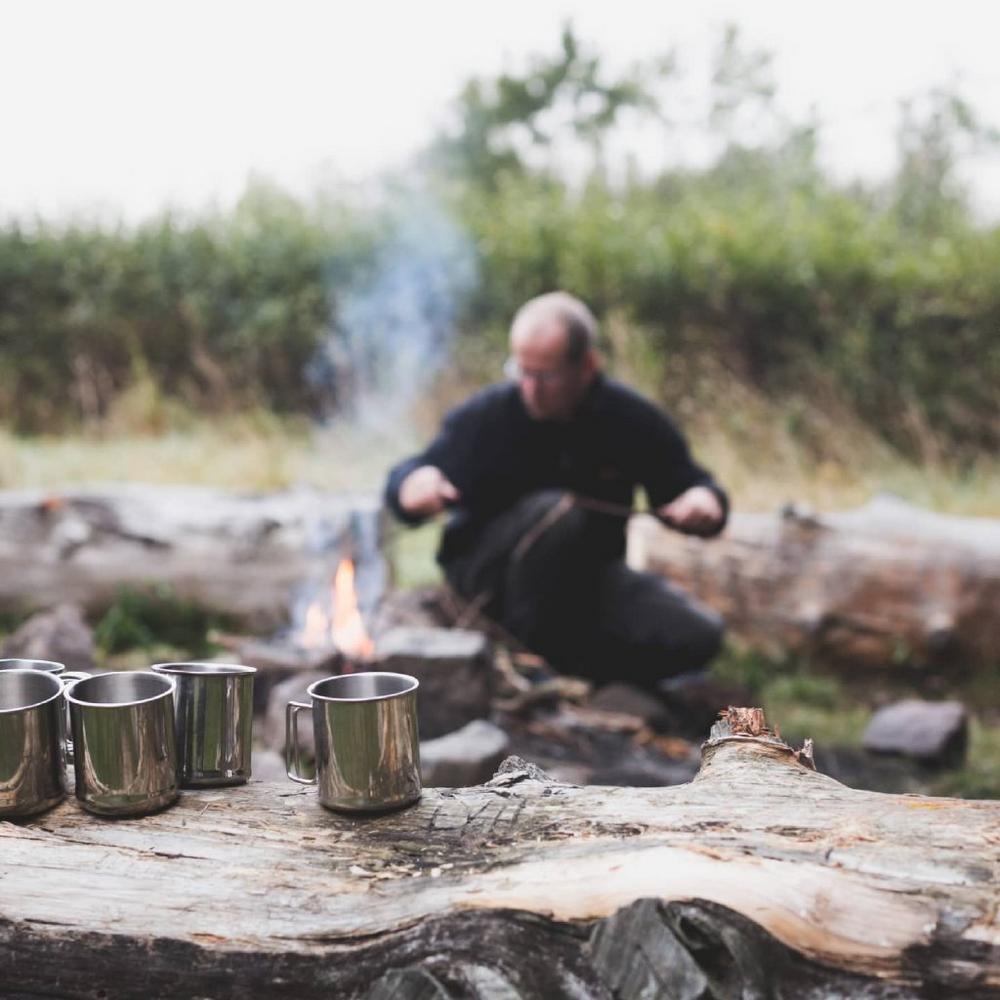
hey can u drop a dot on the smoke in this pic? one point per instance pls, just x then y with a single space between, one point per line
392 333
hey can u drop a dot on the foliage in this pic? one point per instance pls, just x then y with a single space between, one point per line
877 301
219 313
155 617
503 123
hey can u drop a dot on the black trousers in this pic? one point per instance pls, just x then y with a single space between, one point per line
538 567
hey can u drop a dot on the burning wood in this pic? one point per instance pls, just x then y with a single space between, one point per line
336 621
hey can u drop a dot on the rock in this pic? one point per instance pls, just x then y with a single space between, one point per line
277 661
693 702
468 756
60 635
421 607
630 700
453 667
854 767
268 765
650 773
291 689
582 754
934 732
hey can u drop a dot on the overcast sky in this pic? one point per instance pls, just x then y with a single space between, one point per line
120 108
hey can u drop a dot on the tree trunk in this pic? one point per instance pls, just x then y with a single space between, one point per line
244 555
760 878
881 586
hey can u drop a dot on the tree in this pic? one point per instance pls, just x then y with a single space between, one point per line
503 123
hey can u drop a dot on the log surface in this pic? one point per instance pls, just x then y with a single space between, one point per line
761 871
242 554
885 585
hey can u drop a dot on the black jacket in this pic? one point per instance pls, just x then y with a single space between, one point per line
495 454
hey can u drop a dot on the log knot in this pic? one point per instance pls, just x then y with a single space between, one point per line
515 769
741 722
749 724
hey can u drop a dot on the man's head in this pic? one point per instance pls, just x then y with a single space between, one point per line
553 347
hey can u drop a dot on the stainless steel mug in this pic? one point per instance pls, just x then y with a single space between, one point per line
43 666
124 750
32 759
213 713
367 747
46 667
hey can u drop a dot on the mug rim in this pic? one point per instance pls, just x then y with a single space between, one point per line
364 673
211 669
31 659
61 689
119 704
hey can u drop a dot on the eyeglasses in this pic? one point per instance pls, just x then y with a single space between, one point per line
516 373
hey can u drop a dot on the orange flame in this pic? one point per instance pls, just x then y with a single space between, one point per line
341 625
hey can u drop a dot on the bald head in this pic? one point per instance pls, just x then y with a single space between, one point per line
554 311
553 343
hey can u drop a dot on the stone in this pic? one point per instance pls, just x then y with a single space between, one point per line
630 700
935 733
856 768
468 756
277 661
420 607
291 689
268 765
61 635
649 773
454 668
693 702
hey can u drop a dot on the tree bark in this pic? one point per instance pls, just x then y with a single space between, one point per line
884 585
759 878
244 555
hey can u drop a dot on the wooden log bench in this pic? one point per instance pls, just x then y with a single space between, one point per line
759 878
887 585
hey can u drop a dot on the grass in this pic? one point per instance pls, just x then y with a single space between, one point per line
235 453
765 451
754 448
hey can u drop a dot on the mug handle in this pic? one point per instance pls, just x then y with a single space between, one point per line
71 675
293 763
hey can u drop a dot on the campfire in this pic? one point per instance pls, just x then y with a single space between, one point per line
333 620
329 629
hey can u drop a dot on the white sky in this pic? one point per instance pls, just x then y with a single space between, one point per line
119 108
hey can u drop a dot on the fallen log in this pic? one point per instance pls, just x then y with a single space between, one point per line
244 555
759 878
885 585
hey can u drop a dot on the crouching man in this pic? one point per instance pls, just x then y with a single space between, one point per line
535 472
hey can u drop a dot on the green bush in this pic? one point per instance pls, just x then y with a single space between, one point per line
793 283
146 618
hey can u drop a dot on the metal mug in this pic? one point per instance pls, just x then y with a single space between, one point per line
32 755
213 714
367 747
124 750
45 667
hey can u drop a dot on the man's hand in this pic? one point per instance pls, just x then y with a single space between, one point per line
696 510
426 491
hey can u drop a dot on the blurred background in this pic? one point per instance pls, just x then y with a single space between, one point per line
256 245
